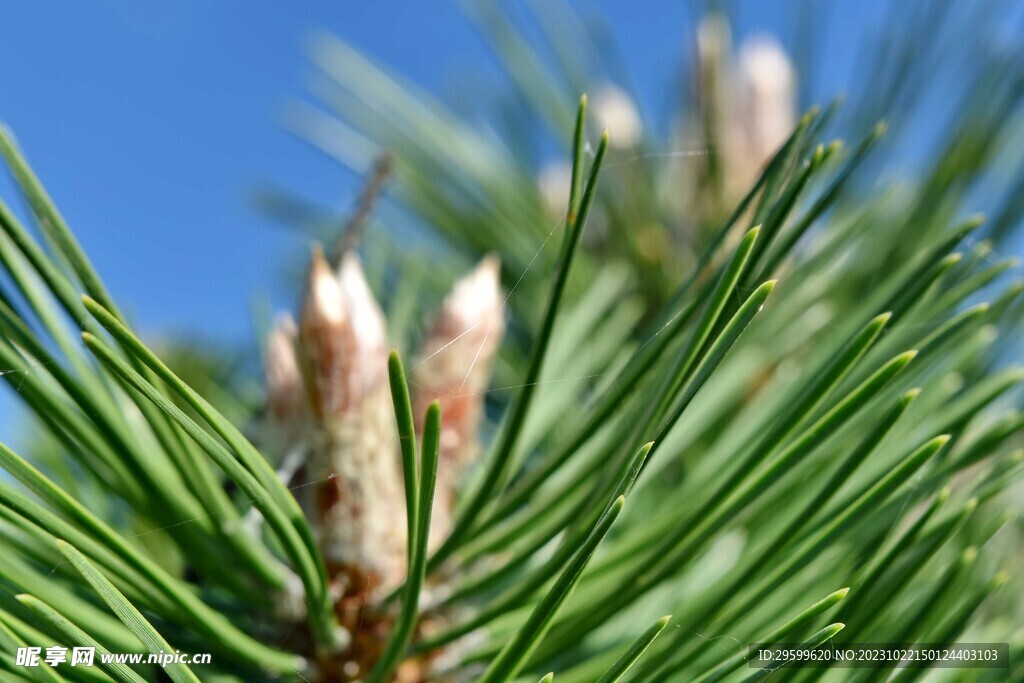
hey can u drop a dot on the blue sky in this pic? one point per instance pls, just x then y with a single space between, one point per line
150 122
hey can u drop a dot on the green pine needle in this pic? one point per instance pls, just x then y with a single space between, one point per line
127 613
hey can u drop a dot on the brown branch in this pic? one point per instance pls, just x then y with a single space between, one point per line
355 226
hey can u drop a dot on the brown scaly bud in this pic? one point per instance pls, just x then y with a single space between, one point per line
351 483
356 488
454 368
323 333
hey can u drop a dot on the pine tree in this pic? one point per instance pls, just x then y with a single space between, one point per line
752 391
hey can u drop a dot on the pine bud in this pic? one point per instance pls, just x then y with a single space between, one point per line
616 112
768 80
281 371
455 368
763 111
553 184
323 335
714 42
748 103
355 490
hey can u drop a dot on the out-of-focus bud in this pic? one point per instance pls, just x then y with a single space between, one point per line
281 371
616 112
553 183
455 368
769 87
763 113
714 43
712 76
747 107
